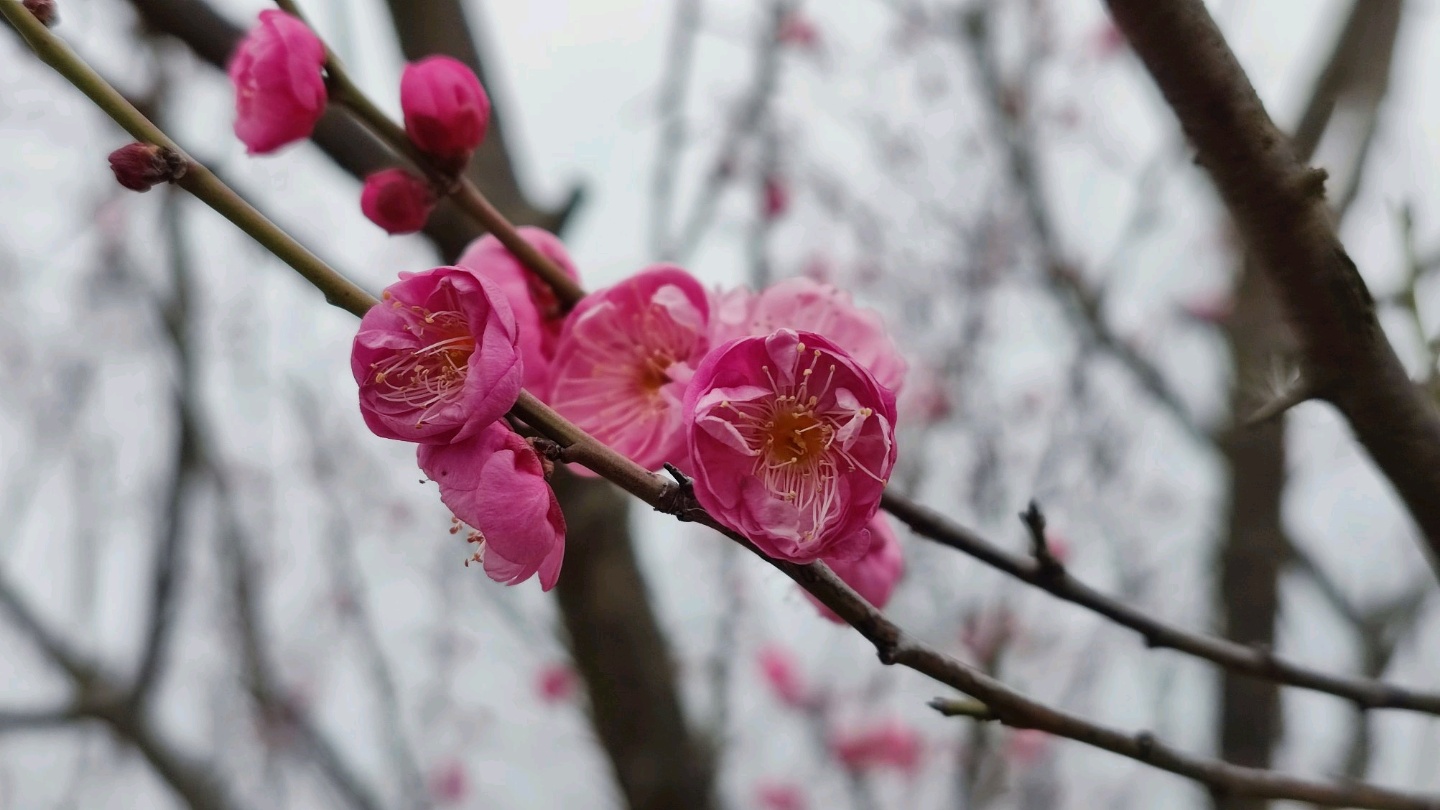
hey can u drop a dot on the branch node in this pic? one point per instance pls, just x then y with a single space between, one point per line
1144 745
964 707
1312 182
678 499
1051 569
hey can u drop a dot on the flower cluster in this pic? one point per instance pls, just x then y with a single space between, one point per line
781 402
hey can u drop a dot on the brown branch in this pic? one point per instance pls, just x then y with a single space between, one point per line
1256 662
1279 208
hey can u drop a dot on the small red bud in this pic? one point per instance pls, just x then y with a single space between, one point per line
44 11
397 201
141 166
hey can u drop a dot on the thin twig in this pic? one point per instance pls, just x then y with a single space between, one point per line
1369 694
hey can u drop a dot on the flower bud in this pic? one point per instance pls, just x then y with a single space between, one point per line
397 201
446 109
141 166
44 11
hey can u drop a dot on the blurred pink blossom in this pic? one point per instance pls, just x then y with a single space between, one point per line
449 783
436 360
782 675
1213 308
537 310
874 575
495 483
806 305
1026 746
798 31
780 796
791 443
625 358
279 92
397 201
1107 41
777 197
555 683
887 744
446 110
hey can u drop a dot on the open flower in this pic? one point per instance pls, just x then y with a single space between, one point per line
874 575
811 306
537 311
496 484
625 358
791 442
279 92
436 359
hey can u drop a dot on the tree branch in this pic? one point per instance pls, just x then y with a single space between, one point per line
1258 663
1279 208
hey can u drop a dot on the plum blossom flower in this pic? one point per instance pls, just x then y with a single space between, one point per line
776 198
279 92
782 674
625 358
811 306
874 575
397 201
495 483
791 442
436 360
885 744
446 110
537 311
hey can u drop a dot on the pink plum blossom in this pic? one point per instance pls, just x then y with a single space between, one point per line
436 359
537 311
888 744
782 675
625 358
791 442
397 201
799 31
780 796
495 483
446 110
555 683
874 575
810 306
279 92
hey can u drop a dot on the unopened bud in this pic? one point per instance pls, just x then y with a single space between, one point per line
44 11
141 166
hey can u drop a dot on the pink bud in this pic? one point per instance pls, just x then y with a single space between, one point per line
449 784
397 201
446 109
782 674
555 683
279 92
777 198
142 166
44 11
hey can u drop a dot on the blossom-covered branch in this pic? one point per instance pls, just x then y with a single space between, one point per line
893 644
